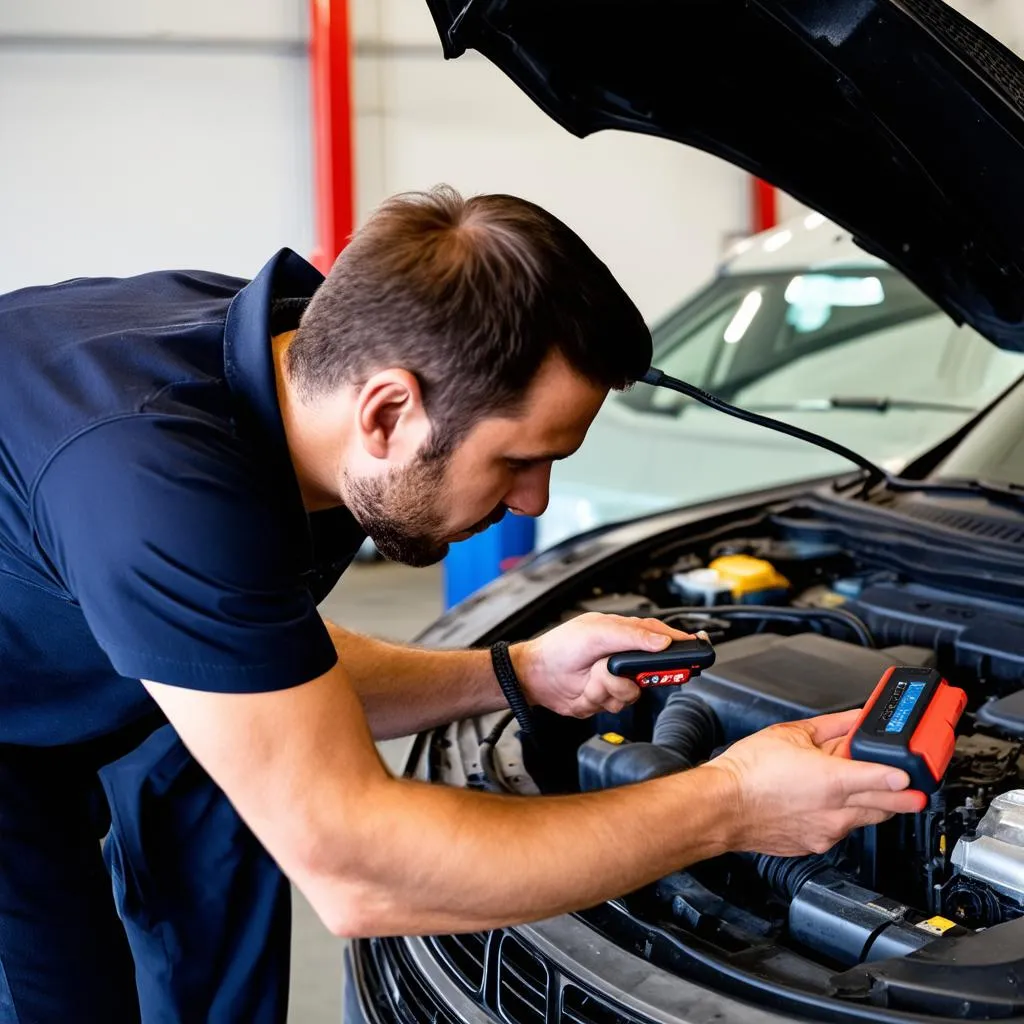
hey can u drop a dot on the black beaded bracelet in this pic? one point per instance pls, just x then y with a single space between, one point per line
505 673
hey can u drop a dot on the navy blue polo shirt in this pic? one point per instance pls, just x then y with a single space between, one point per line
151 525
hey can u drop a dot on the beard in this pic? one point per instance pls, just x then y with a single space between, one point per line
405 512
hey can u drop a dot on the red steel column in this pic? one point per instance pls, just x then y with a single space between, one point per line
764 204
330 54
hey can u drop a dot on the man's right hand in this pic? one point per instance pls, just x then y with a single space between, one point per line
795 794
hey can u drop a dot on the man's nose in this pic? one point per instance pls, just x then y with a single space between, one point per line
529 494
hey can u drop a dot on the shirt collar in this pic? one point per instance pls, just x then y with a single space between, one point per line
248 359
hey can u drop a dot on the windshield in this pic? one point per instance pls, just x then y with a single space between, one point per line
854 353
817 340
993 452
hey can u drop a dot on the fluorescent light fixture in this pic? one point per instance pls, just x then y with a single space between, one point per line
773 243
830 290
814 220
740 323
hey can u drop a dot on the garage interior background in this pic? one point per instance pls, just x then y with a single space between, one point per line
139 136
142 136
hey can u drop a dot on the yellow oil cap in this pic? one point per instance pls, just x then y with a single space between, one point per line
744 574
613 737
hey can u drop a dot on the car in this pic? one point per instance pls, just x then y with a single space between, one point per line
904 124
800 323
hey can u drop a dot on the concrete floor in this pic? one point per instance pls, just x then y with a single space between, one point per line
395 603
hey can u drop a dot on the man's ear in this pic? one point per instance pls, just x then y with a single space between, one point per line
392 421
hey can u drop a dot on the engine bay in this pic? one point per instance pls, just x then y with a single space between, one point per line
803 626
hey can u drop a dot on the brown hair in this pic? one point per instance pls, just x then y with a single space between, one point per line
470 295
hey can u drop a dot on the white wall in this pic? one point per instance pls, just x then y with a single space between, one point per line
176 132
135 136
143 135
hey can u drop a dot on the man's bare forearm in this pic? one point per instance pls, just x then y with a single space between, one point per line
406 689
459 861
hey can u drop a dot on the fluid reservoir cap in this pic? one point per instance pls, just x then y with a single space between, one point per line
744 574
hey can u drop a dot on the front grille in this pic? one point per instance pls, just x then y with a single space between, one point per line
465 957
398 988
579 1007
503 975
522 983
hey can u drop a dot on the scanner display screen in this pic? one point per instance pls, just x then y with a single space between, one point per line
900 705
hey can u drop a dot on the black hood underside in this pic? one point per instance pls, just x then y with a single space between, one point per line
898 119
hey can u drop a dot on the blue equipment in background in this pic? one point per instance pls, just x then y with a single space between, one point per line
472 563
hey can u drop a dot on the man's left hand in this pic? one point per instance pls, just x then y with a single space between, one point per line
566 669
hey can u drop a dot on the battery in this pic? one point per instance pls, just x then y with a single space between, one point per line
909 722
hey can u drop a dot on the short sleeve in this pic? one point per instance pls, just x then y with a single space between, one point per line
185 553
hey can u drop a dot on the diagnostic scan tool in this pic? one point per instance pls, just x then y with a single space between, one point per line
909 722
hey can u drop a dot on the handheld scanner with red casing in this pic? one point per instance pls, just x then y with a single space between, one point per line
909 722
677 663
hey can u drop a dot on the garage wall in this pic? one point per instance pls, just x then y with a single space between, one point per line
176 133
135 136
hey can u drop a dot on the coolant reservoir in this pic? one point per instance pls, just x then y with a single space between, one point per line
732 579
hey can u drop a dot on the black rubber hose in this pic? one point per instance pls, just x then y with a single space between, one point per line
688 727
686 733
786 876
856 625
493 780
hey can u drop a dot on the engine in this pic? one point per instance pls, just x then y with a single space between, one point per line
801 629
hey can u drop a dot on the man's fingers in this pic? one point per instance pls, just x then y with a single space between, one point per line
831 727
863 818
584 708
621 689
909 801
610 634
856 777
657 626
833 746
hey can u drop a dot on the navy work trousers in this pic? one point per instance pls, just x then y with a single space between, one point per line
182 917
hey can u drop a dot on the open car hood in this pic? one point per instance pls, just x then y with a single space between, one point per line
898 119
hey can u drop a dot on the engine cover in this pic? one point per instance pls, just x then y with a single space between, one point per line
763 679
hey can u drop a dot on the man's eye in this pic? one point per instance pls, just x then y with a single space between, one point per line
517 465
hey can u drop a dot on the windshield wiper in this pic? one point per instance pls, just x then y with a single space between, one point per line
859 403
997 490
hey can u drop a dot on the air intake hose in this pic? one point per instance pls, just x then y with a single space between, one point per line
688 727
786 876
830 913
686 733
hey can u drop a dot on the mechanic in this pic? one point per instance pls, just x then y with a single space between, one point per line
188 463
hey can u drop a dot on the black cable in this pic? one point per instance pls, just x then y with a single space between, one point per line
657 379
764 611
487 749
